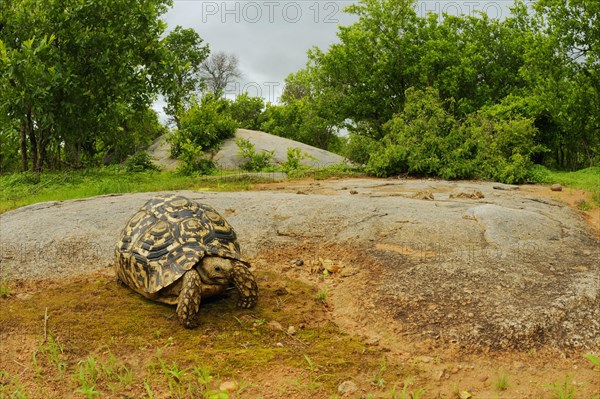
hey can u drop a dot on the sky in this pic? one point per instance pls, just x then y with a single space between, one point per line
271 37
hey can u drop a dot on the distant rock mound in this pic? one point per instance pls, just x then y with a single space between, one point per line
227 156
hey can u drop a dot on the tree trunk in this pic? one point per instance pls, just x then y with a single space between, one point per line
44 135
35 166
23 144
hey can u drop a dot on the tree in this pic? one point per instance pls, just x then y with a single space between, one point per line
220 70
182 73
247 111
76 72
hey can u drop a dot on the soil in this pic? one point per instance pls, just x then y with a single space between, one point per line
450 287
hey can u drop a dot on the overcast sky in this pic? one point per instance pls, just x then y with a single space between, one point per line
271 37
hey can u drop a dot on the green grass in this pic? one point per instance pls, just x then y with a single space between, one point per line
22 189
585 179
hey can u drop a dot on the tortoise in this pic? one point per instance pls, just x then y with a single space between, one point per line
177 251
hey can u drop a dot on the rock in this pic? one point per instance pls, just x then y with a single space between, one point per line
440 374
483 378
347 388
353 192
291 330
299 262
476 194
279 345
373 341
275 325
228 386
348 272
556 187
506 187
424 195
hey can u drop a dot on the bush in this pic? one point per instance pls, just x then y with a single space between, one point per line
204 125
253 161
359 148
139 162
194 161
426 139
294 157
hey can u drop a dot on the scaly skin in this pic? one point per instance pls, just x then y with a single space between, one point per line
244 282
189 299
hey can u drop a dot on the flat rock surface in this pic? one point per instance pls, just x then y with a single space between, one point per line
504 271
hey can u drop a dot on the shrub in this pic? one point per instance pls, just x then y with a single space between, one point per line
193 160
205 125
294 157
139 162
426 139
253 161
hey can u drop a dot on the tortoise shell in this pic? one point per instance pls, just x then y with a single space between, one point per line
168 236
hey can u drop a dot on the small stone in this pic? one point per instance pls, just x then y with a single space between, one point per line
426 359
228 386
275 325
279 345
348 272
291 330
353 192
439 375
347 388
518 365
299 262
556 187
373 341
483 378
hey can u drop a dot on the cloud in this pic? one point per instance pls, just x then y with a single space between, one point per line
270 38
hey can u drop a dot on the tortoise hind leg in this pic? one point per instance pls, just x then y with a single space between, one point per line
189 299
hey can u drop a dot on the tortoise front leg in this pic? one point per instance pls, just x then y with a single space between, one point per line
189 299
245 283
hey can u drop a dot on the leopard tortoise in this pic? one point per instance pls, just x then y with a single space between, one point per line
177 251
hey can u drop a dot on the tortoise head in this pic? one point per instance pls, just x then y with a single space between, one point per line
215 270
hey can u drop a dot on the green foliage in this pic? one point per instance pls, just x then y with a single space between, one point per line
75 74
205 125
427 140
140 162
184 53
193 160
564 389
294 159
247 111
253 161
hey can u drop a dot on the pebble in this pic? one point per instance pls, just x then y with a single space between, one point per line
279 345
483 378
556 187
353 192
275 325
228 386
347 387
299 262
373 341
291 330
